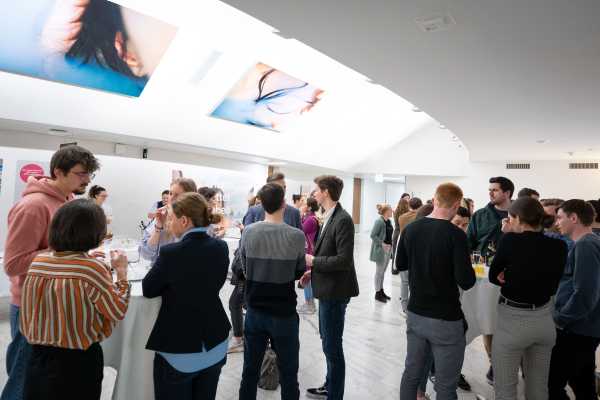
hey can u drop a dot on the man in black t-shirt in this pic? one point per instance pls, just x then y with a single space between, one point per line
436 254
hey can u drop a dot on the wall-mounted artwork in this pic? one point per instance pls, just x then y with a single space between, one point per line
96 44
268 98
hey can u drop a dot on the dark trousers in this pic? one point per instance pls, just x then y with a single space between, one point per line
171 384
283 333
573 362
332 315
55 373
17 358
236 302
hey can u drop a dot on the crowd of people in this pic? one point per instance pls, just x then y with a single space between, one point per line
68 296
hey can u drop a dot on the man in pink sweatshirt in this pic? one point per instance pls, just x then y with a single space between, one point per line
71 168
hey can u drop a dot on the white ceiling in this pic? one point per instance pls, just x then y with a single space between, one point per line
509 73
354 120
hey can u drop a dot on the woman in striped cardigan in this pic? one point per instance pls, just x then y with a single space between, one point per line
69 305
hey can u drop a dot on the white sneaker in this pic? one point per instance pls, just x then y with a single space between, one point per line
235 346
307 308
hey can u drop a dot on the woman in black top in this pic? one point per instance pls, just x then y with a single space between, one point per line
528 266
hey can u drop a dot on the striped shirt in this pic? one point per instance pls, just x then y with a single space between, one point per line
69 300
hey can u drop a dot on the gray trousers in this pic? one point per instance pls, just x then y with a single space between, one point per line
380 270
527 335
446 341
404 290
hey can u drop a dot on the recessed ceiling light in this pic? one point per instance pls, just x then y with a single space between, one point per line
416 109
442 126
58 132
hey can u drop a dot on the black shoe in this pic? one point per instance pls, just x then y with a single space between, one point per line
385 295
463 384
380 297
317 393
490 376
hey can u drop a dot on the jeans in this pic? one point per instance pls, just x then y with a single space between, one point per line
380 268
332 315
171 384
308 293
17 358
446 341
56 373
283 333
236 302
573 362
404 290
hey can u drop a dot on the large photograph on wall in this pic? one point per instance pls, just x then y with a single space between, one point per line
268 98
95 44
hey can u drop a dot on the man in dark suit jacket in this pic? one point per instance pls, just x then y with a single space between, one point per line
334 282
291 215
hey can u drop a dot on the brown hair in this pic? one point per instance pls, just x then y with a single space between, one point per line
552 202
383 208
401 208
78 225
312 204
448 194
195 207
333 184
424 211
585 211
415 203
277 176
530 212
69 156
187 184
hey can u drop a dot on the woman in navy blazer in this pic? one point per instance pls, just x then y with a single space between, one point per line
190 336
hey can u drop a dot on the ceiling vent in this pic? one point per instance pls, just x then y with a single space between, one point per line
435 23
583 165
518 166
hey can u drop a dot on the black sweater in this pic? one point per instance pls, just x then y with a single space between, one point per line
533 264
436 254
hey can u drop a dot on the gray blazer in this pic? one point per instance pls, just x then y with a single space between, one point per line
377 238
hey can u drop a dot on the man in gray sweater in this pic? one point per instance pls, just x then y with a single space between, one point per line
577 307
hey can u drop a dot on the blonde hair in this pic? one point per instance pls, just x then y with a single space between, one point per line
448 194
195 207
383 208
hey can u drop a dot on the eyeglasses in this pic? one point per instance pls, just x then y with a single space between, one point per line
85 175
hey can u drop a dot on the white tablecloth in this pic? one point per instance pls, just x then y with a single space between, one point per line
126 351
479 305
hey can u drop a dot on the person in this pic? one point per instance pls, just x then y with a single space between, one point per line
98 195
273 258
291 215
414 205
190 335
436 254
462 218
334 282
216 228
527 192
551 228
596 224
156 233
67 288
381 248
424 211
401 208
577 306
528 266
484 232
405 196
297 200
164 200
71 170
310 227
469 204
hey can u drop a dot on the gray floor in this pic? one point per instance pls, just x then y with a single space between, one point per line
374 343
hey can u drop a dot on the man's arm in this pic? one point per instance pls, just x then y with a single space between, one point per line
24 241
586 281
463 270
472 234
402 254
344 244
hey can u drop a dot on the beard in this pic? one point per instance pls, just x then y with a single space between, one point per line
80 190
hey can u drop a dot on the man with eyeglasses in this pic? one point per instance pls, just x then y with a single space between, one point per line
291 215
71 170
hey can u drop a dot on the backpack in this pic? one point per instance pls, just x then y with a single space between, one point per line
269 372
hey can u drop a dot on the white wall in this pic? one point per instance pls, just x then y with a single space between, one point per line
134 183
552 179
